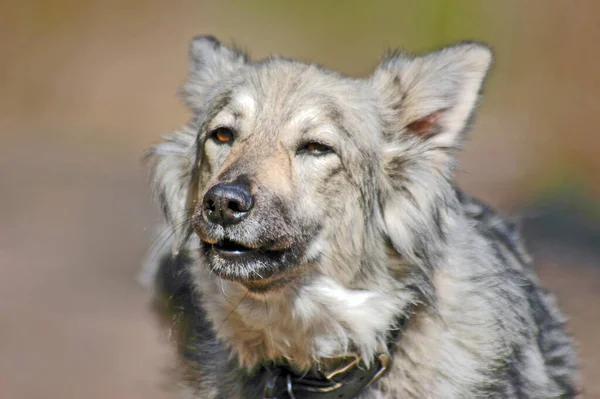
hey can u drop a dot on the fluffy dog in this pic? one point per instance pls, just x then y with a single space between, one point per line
319 247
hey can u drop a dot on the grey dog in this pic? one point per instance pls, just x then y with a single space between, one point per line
319 248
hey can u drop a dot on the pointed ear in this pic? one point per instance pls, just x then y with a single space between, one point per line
426 103
432 97
209 63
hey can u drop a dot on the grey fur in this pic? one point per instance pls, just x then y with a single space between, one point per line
367 232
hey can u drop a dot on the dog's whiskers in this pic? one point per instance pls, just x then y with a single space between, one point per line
227 298
169 231
231 312
257 273
269 332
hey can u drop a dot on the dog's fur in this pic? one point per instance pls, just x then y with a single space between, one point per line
356 236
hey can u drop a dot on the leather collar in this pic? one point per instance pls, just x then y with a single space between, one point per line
345 380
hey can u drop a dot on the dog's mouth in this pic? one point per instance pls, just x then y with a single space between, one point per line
254 265
231 248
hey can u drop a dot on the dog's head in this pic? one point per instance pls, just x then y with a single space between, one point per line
288 169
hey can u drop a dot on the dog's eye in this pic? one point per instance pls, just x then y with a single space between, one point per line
222 135
315 148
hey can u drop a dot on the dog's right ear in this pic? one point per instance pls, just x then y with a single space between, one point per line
210 62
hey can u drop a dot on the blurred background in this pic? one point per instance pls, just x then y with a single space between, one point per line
87 86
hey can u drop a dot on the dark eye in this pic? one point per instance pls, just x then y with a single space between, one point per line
222 135
315 148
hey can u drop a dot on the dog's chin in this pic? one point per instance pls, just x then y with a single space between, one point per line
259 269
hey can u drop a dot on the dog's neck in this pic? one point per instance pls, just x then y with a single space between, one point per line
304 324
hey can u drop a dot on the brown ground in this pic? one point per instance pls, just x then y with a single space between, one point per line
74 323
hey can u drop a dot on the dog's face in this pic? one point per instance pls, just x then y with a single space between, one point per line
280 170
296 170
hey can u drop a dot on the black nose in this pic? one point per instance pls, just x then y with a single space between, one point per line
227 203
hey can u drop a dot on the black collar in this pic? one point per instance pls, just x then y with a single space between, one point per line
345 380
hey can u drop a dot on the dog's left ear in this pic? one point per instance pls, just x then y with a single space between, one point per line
430 98
426 103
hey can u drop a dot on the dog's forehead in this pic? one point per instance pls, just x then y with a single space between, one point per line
289 92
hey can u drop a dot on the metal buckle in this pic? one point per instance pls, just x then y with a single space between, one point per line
322 389
355 359
322 386
271 388
331 385
290 390
270 385
384 361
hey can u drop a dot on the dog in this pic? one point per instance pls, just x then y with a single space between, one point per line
316 245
